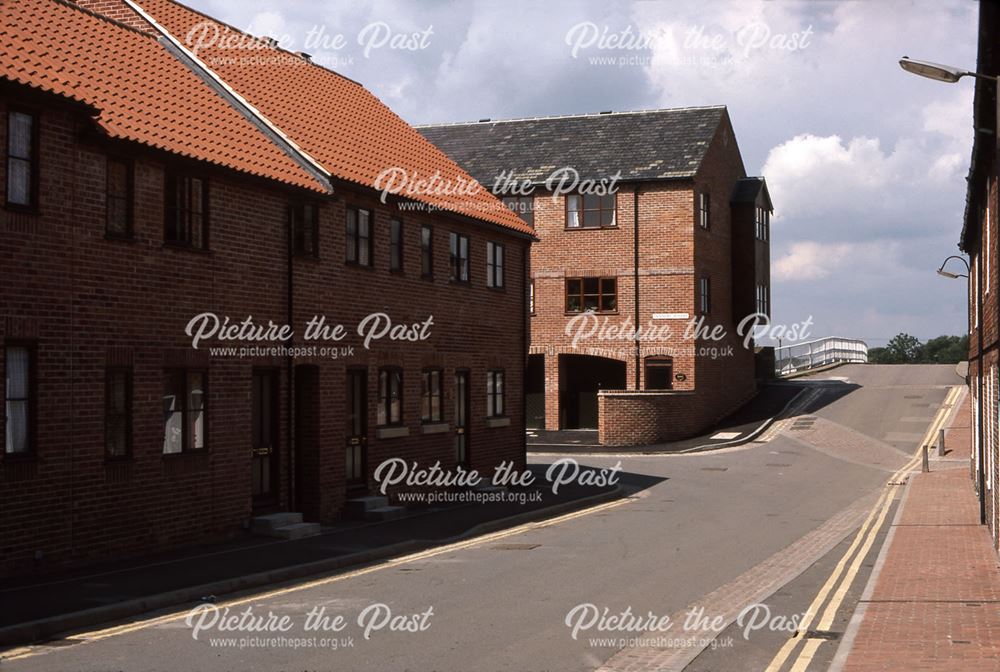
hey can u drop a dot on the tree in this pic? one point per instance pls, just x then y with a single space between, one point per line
904 349
878 356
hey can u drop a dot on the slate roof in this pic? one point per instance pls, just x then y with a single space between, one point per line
348 130
645 145
142 92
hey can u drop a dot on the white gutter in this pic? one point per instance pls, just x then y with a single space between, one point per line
300 154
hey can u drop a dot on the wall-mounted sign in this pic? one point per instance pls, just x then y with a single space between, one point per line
670 316
681 377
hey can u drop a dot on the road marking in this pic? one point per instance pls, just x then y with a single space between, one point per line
883 505
806 657
104 633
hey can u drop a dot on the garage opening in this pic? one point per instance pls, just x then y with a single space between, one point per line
581 377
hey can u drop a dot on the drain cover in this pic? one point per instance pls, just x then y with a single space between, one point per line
777 464
715 468
822 634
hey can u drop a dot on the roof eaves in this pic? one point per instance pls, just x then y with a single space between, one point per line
177 49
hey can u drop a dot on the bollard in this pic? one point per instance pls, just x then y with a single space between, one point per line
940 443
926 466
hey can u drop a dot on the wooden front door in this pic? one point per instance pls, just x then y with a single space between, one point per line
357 429
265 433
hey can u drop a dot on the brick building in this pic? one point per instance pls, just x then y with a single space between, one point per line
645 219
143 187
979 241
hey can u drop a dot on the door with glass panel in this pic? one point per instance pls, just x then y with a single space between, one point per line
357 428
265 432
462 417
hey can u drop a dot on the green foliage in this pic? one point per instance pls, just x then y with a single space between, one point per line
906 349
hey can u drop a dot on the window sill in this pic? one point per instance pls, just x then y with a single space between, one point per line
393 432
435 428
185 453
590 228
584 312
20 458
22 209
500 421
306 256
354 264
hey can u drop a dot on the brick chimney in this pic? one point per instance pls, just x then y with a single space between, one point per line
117 10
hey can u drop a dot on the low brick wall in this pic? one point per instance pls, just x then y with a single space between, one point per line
636 418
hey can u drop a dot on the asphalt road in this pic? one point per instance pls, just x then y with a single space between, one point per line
762 522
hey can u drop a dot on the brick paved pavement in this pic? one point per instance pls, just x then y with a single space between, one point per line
936 602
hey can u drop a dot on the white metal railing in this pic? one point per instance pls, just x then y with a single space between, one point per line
822 351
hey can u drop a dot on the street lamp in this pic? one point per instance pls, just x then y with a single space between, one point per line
949 274
938 72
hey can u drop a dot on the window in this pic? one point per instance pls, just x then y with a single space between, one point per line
659 373
390 396
426 252
763 306
591 294
524 206
531 296
359 237
395 245
494 265
589 211
22 162
459 246
430 398
305 229
763 221
495 394
19 387
118 412
703 214
704 296
187 211
185 405
118 198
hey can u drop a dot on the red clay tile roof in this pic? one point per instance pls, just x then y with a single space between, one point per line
336 120
144 93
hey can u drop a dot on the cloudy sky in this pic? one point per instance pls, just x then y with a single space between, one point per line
866 164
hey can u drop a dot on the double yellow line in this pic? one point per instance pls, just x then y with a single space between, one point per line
863 540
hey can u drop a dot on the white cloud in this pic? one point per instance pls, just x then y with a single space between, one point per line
809 260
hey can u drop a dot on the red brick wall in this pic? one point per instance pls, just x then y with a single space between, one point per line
87 302
647 417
